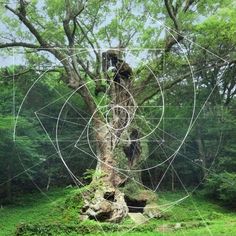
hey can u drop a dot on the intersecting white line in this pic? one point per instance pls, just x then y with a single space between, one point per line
197 117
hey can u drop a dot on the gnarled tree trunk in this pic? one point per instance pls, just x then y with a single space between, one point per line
105 202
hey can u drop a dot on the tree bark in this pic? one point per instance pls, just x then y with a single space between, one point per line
104 201
8 184
172 179
201 151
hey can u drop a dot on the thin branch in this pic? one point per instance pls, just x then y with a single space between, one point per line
188 4
170 40
165 87
89 41
29 25
71 16
90 30
19 44
16 75
66 23
89 73
172 14
91 44
130 36
29 70
148 94
108 37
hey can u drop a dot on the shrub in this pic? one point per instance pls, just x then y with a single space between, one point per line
222 187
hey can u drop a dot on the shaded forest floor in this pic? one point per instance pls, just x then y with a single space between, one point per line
56 214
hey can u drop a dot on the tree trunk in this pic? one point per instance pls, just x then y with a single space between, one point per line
172 179
8 184
105 202
201 151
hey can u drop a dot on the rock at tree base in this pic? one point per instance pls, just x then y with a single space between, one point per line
137 218
104 204
151 210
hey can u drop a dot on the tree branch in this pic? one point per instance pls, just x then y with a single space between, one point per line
172 14
71 68
19 44
143 93
44 45
89 41
91 44
66 23
187 5
27 71
170 40
28 24
71 15
149 93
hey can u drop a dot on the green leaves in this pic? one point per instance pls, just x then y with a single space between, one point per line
219 27
222 186
55 8
6 123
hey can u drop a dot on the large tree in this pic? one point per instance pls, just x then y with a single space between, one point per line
78 34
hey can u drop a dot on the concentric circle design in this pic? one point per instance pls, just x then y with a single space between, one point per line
118 109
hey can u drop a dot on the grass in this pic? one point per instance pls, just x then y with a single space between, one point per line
31 208
196 215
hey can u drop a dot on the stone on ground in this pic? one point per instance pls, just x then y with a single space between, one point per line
137 218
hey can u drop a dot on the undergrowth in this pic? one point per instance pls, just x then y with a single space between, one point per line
58 214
